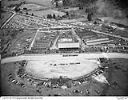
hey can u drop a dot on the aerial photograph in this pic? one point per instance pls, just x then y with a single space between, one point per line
64 47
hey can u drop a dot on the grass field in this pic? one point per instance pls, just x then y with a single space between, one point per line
41 8
64 67
40 2
10 2
41 13
33 7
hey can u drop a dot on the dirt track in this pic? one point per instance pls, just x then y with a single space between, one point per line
40 57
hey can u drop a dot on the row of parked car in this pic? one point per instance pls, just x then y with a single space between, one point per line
12 79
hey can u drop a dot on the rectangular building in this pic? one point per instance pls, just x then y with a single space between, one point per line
98 42
68 45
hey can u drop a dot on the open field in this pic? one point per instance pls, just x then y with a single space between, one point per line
65 67
41 2
41 8
118 73
8 3
32 6
41 13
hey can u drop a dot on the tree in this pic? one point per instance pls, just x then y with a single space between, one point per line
17 9
54 16
57 4
25 9
26 13
67 13
32 14
56 1
49 16
89 17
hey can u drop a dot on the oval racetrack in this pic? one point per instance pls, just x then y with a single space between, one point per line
66 68
50 66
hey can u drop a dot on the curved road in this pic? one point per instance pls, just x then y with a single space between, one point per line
40 57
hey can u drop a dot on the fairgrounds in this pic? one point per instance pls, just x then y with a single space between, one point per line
65 65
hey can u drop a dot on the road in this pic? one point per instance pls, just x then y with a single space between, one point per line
79 39
54 46
31 45
8 19
117 36
41 57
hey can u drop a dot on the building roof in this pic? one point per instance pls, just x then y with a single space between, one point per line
68 45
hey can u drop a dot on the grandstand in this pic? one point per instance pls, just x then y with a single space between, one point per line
68 45
67 40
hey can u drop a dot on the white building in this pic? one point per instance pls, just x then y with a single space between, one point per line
98 41
68 43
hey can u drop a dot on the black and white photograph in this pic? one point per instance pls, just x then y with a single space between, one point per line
64 48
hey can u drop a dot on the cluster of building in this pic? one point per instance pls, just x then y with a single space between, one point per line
65 41
90 39
43 42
